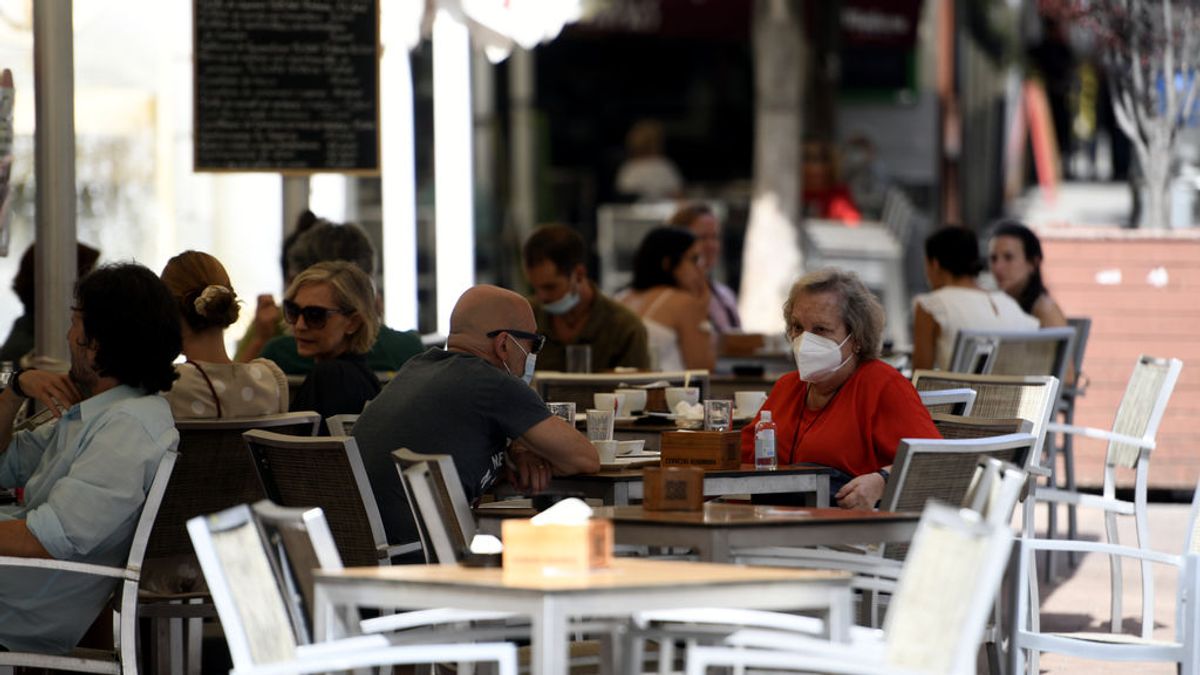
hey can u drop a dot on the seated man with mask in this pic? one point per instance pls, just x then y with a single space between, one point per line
468 401
570 309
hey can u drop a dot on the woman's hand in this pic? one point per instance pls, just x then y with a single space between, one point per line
861 493
56 391
266 317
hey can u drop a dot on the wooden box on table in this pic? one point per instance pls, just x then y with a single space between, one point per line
530 550
705 449
673 488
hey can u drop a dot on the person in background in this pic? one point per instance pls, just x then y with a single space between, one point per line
825 196
467 401
331 308
1015 255
670 294
85 476
210 384
570 309
328 242
20 339
952 264
842 407
268 317
648 174
700 220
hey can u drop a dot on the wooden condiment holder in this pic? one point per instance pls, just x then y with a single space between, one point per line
673 488
531 550
704 449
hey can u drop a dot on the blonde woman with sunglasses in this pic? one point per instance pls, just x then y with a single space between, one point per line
331 309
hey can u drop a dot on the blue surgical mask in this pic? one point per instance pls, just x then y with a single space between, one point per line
530 362
564 304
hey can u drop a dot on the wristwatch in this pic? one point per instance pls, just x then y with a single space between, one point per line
14 383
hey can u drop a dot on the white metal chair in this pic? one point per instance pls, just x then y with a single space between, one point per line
123 659
258 624
1045 351
1184 649
439 504
341 425
938 613
1130 443
953 401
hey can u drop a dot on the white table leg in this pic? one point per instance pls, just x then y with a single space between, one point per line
549 639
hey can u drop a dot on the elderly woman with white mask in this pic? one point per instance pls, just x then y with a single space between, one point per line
842 408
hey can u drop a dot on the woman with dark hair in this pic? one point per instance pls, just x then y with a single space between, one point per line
700 220
957 302
210 383
670 294
1015 254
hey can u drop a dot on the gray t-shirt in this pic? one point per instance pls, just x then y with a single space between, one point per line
442 403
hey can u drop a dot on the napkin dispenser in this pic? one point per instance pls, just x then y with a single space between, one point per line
673 488
562 539
708 450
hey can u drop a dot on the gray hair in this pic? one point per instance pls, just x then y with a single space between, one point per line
861 311
326 241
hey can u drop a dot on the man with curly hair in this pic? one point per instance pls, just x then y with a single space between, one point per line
84 476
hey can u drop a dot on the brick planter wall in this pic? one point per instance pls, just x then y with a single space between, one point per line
1129 318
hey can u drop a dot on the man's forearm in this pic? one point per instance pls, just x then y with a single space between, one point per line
16 540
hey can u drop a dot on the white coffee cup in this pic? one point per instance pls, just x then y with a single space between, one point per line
677 394
607 450
631 447
635 400
747 403
616 402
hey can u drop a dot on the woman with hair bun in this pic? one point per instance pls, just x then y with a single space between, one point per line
210 384
952 263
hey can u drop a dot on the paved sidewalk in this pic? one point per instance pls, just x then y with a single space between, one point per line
1079 598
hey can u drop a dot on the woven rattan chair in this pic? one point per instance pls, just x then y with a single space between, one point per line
213 472
1130 443
579 388
1000 396
325 472
937 615
125 579
1183 648
956 427
1046 351
952 401
258 623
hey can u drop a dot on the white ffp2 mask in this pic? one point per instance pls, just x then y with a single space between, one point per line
817 357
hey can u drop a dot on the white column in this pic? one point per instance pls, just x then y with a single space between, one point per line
454 203
398 250
54 151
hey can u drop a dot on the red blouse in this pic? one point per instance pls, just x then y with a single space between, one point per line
857 432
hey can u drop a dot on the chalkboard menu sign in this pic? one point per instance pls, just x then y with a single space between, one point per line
287 86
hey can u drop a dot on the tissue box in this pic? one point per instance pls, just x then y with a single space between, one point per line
675 488
705 449
532 549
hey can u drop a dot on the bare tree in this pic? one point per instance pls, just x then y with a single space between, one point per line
1151 51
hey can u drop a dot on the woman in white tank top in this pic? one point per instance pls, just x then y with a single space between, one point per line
670 294
952 263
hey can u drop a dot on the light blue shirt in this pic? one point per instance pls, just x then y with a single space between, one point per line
85 478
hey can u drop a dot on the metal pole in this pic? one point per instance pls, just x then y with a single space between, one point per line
54 151
523 143
295 201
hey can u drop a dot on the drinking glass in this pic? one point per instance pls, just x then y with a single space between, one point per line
565 410
718 415
579 358
600 424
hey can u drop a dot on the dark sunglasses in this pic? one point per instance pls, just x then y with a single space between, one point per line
315 316
539 341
